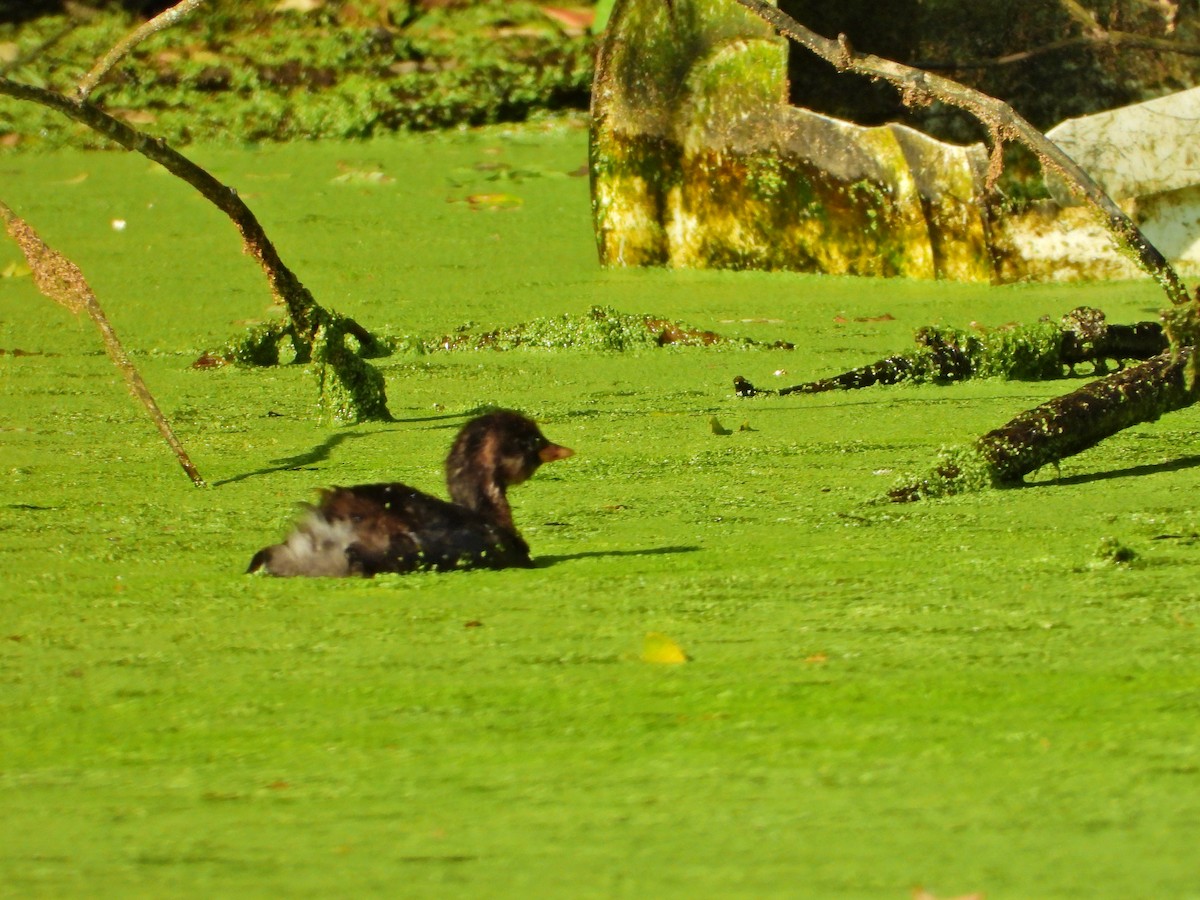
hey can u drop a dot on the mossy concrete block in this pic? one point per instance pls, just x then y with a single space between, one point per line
698 161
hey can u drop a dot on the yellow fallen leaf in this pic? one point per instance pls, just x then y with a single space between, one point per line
16 270
494 201
658 648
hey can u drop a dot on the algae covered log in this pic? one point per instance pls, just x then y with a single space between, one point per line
1037 352
1059 428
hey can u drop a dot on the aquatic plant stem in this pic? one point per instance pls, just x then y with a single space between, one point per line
61 280
920 87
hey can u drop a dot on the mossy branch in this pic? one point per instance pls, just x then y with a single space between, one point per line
920 87
309 320
1037 352
1059 428
61 280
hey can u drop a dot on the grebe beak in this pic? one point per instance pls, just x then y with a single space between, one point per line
551 452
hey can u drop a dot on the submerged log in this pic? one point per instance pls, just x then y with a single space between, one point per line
1023 353
1059 428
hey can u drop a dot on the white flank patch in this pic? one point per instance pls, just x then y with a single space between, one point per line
317 547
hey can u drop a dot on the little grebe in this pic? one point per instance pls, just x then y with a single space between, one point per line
373 528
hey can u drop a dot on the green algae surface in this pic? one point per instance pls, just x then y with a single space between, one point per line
970 695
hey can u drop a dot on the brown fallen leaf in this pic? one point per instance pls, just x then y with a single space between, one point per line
575 21
207 360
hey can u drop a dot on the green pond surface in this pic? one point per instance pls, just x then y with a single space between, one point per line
966 695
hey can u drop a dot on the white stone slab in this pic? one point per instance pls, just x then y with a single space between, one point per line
1134 151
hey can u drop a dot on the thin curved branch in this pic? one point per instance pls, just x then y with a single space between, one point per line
1006 124
1082 16
301 306
161 22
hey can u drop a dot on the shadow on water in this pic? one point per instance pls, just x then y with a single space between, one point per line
1174 465
543 562
324 450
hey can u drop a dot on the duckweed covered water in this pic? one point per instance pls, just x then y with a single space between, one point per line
970 695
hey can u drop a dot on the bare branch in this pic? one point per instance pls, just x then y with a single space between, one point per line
355 391
62 281
161 22
1005 123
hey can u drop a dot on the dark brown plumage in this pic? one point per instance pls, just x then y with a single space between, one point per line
373 528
